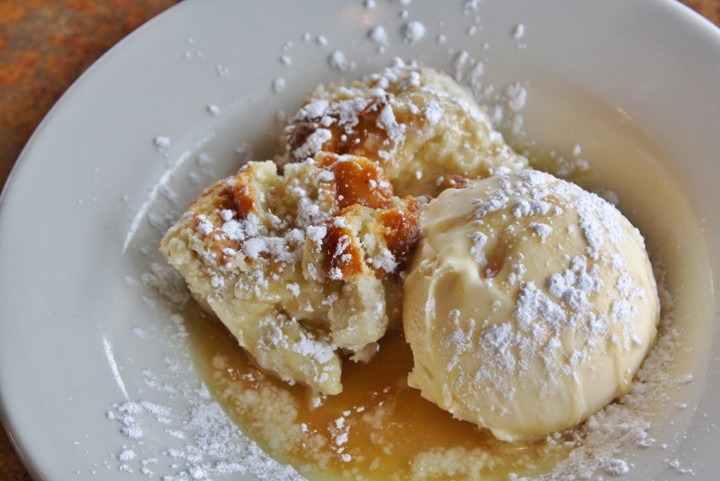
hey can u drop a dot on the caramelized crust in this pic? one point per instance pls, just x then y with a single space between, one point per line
363 136
243 197
358 181
343 256
402 232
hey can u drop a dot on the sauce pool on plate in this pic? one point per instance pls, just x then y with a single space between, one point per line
377 428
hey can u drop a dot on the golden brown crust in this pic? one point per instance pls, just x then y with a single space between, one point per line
357 181
401 230
343 256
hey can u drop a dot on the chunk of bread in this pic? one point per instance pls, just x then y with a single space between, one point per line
302 267
426 131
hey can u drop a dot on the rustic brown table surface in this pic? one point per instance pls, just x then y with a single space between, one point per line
44 46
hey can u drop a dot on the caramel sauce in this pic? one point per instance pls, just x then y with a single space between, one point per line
378 428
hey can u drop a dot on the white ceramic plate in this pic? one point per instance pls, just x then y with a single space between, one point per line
82 336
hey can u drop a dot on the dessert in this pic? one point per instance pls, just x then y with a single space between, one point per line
305 266
425 130
529 306
300 266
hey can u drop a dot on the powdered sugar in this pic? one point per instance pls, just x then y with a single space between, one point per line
504 106
573 286
433 112
387 121
379 37
200 442
313 143
541 230
615 430
477 249
413 31
338 61
166 281
518 31
278 85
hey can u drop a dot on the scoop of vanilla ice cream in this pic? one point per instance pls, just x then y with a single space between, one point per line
530 304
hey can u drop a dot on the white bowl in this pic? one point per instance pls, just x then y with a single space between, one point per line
119 156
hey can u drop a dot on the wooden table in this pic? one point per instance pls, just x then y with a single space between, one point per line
44 46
